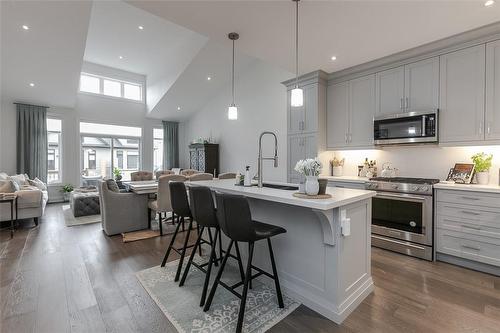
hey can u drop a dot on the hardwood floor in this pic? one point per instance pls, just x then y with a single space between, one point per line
59 279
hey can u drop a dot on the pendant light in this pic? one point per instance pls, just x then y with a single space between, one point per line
297 95
232 111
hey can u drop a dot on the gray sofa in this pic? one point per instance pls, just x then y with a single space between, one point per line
122 212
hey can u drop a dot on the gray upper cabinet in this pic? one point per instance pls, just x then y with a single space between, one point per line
299 148
304 118
493 91
361 111
390 91
296 117
422 85
337 115
462 95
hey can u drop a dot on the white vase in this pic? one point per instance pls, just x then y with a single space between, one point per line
337 171
312 185
483 178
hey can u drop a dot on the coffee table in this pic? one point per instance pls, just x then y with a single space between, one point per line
12 200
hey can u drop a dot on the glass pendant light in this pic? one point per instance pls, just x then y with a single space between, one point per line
297 95
232 110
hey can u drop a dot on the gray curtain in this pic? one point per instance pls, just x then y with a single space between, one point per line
170 144
32 141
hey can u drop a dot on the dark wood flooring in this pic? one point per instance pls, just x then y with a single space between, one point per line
59 279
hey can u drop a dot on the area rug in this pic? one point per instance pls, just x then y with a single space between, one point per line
181 304
71 221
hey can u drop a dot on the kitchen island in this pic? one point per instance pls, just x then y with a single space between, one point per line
324 258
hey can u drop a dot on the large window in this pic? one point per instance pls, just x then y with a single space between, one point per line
157 149
96 84
105 147
54 127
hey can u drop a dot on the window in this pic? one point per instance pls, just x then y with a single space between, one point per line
54 127
91 159
119 158
96 84
132 160
157 149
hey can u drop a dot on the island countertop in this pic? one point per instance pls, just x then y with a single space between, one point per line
340 196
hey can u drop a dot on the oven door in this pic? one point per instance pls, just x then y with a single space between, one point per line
403 216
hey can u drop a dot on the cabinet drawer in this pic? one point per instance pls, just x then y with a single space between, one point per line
472 214
469 198
466 226
359 186
455 244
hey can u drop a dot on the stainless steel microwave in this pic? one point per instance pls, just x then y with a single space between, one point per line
406 128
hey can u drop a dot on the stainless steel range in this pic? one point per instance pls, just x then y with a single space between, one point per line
402 215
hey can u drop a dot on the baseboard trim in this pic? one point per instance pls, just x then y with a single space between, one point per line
474 265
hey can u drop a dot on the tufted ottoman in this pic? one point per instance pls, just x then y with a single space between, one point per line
84 203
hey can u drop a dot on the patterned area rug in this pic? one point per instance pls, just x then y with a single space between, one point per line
70 220
181 304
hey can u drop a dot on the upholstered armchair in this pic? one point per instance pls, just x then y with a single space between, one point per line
189 172
227 175
122 212
141 175
160 173
201 176
162 203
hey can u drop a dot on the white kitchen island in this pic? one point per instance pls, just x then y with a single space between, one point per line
319 262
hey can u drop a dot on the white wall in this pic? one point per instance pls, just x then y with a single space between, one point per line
261 100
417 161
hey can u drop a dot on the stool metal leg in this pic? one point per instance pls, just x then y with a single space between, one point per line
251 285
275 273
170 246
188 265
199 233
240 263
183 254
212 241
209 268
248 278
217 278
160 222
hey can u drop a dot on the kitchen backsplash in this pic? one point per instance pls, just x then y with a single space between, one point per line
414 161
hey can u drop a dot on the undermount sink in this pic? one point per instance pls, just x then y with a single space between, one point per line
281 187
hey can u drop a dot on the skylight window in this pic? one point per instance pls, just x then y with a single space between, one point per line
100 85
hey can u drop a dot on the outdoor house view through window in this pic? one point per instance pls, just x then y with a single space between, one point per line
106 147
95 84
53 150
157 149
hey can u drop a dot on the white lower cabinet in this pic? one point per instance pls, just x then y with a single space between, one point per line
468 225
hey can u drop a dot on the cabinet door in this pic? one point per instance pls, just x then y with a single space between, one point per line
462 91
493 91
311 108
361 111
422 85
193 159
296 116
296 152
310 146
390 91
201 160
337 122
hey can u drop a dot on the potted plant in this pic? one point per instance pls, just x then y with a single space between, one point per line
66 190
310 168
337 166
482 165
118 174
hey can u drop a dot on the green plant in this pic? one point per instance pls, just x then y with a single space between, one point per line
482 162
67 188
117 172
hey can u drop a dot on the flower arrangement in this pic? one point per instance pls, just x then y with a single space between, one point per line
309 167
482 162
336 162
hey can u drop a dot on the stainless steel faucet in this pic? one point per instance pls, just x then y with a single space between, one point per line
260 159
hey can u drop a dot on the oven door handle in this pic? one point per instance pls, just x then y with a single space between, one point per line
399 196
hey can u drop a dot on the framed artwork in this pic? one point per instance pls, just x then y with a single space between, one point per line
462 173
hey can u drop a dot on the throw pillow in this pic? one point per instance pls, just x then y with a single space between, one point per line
112 185
7 186
3 176
38 183
19 179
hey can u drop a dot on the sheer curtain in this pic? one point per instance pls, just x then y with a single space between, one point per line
170 145
32 140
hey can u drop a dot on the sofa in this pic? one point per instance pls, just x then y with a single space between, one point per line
32 197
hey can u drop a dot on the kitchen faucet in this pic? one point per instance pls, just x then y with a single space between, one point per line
260 159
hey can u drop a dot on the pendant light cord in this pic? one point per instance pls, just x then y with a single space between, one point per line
232 79
296 43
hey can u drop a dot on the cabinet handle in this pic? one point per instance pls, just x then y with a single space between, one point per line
346 137
488 128
470 198
407 103
469 227
471 247
470 213
401 103
350 137
480 128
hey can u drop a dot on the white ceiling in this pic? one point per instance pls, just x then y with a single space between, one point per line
354 31
49 54
161 51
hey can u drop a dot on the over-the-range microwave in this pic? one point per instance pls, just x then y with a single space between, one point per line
406 128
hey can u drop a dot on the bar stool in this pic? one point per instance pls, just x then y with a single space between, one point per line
204 213
235 220
180 209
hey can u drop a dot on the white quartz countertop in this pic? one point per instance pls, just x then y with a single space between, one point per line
340 196
347 179
468 187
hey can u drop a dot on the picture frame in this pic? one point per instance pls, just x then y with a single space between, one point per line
462 173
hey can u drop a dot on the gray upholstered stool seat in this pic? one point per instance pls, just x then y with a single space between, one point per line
84 203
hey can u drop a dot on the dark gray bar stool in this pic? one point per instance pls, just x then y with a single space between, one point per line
235 220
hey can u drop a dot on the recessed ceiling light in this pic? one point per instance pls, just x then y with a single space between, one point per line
32 84
141 27
489 3
178 108
25 27
120 57
209 78
333 58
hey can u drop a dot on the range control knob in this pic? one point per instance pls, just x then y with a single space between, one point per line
372 185
395 186
423 189
415 188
